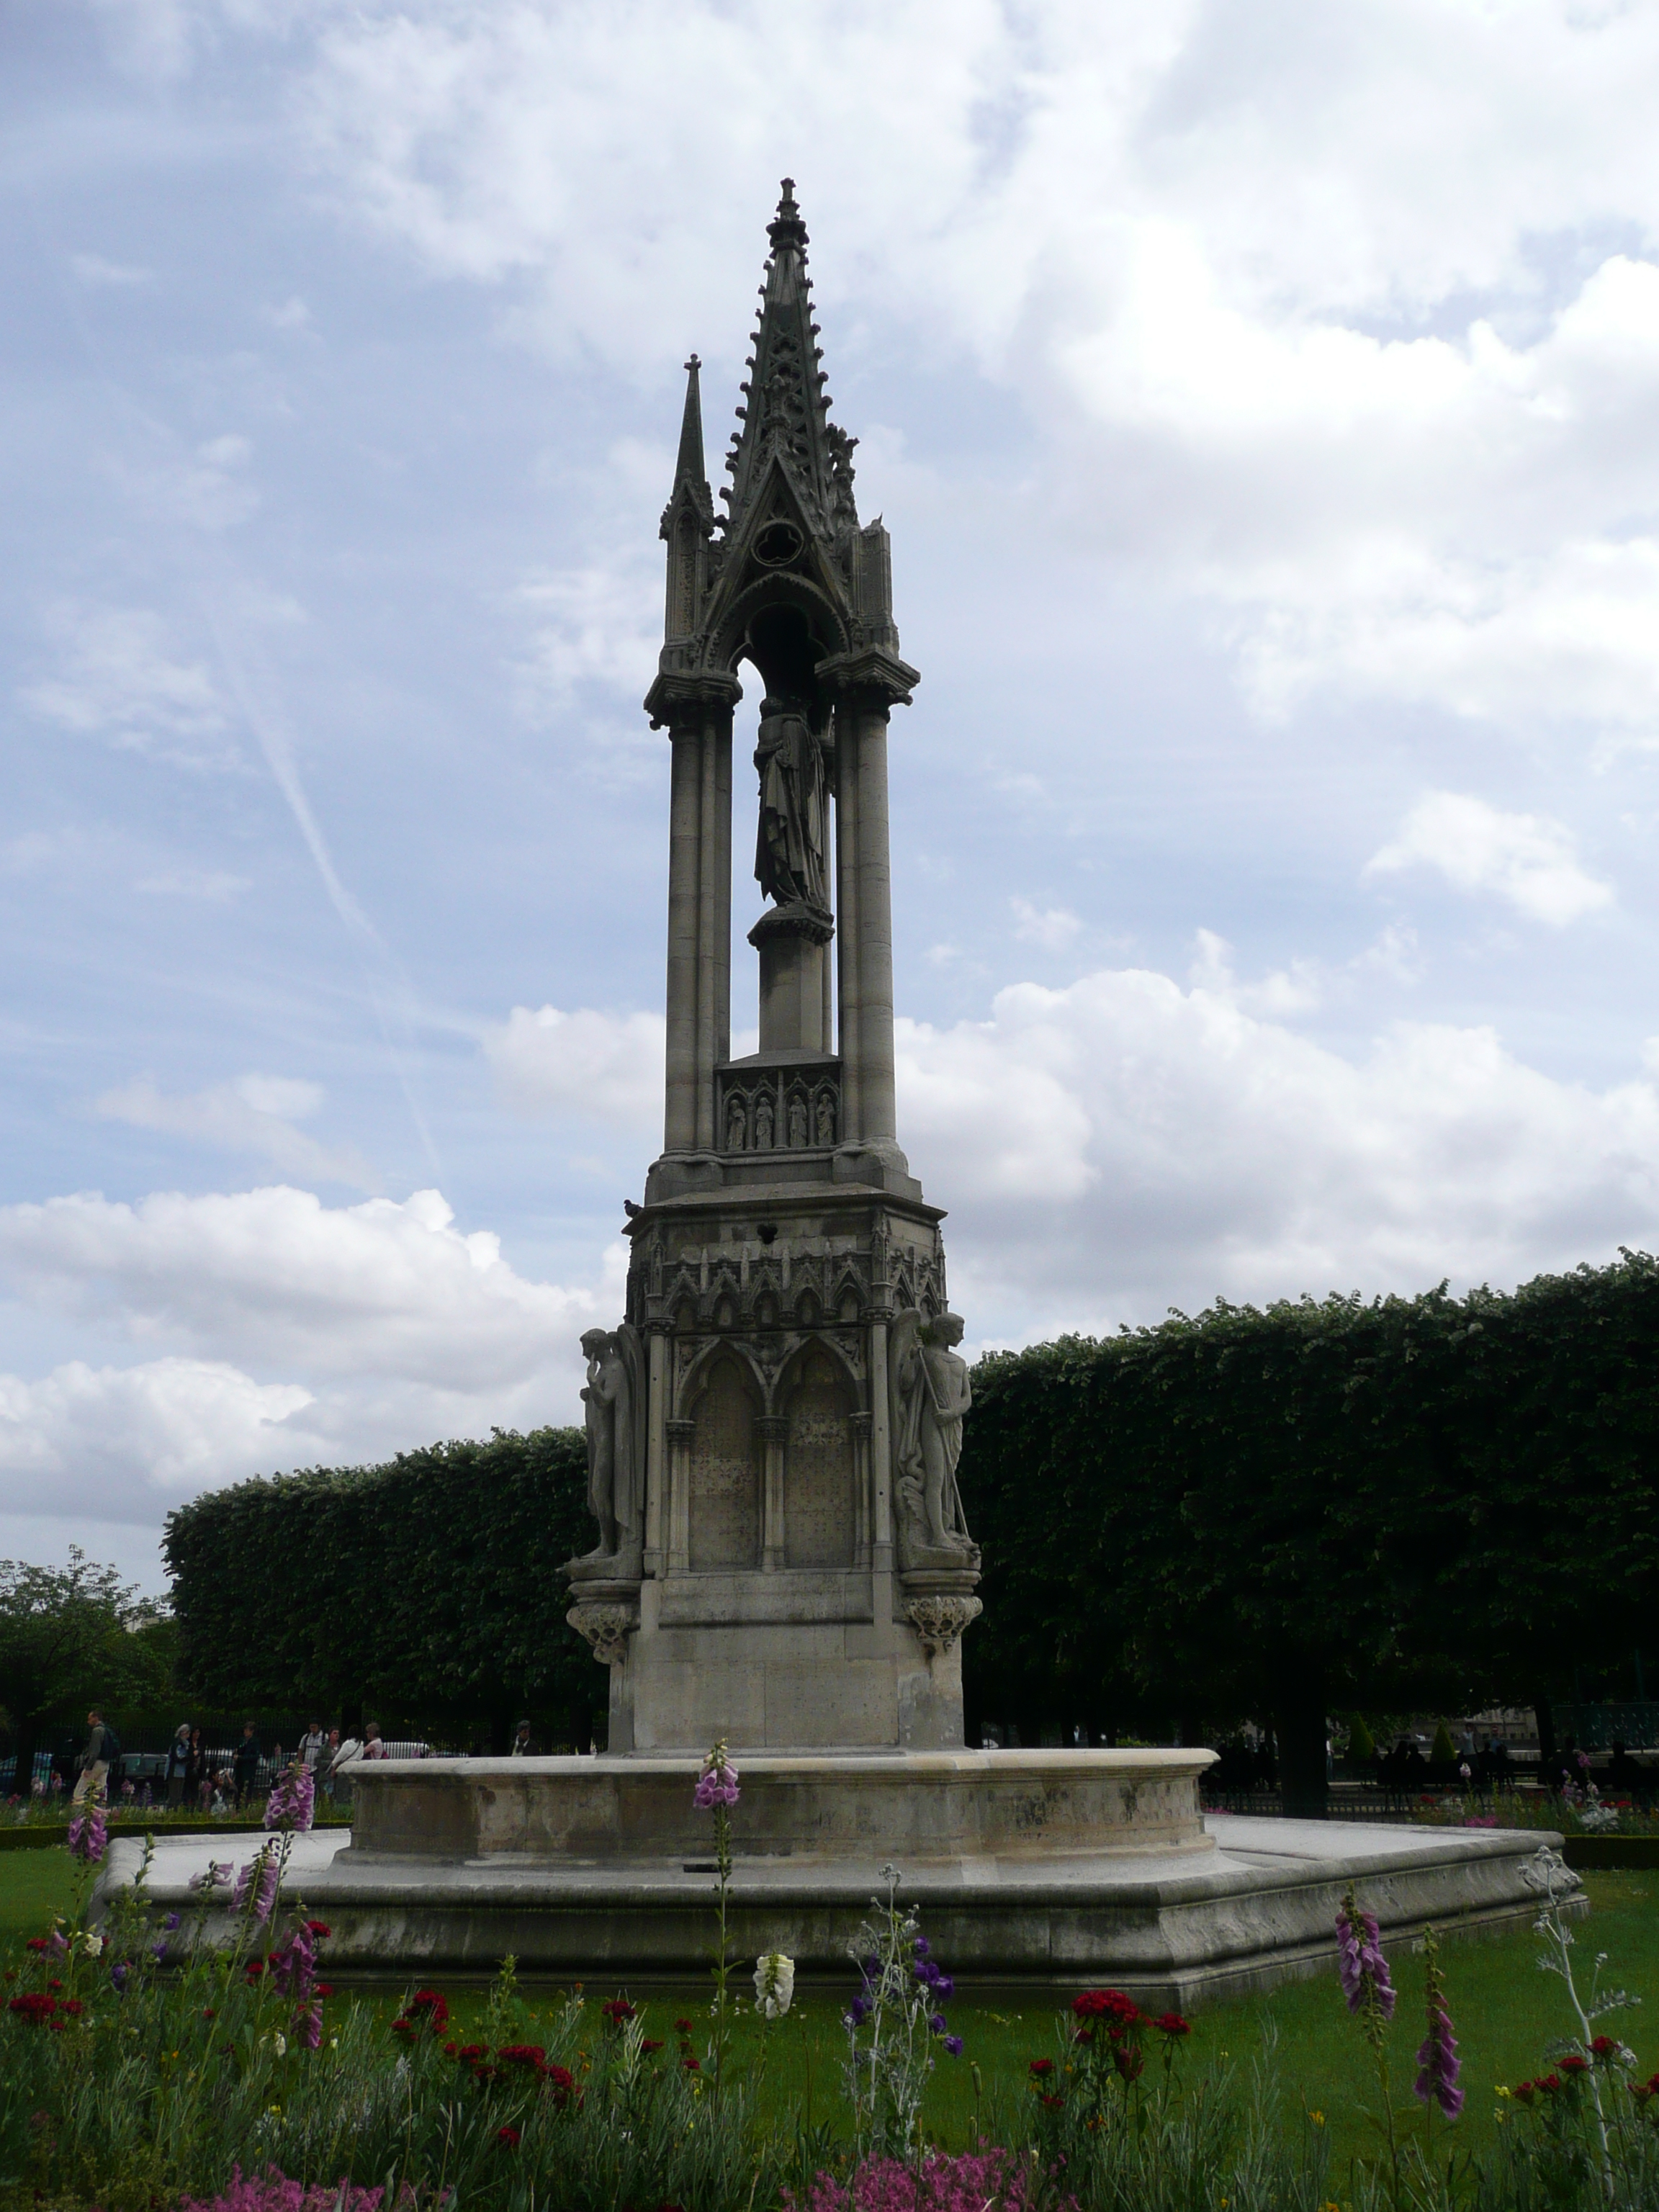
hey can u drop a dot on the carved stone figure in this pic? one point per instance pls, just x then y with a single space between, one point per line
826 1120
789 851
932 1395
610 1399
797 1123
763 1124
737 1134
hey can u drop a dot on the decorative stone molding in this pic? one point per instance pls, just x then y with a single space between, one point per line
940 1621
607 1627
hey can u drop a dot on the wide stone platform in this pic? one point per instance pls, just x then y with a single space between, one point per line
1043 1870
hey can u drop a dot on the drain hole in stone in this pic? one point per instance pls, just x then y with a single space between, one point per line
700 1866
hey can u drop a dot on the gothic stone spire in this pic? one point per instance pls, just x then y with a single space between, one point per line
786 412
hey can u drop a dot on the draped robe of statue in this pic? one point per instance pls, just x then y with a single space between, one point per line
790 849
933 1395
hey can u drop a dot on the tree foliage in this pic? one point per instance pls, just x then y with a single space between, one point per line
428 1589
70 1637
1268 1512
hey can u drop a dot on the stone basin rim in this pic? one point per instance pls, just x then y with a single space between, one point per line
758 1765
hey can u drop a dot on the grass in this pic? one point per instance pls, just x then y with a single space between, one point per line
1505 2013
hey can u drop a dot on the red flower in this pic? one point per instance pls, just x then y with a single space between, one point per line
36 2005
1550 2081
1053 2103
1606 2048
1126 2057
54 1985
1643 2091
319 1929
563 2084
449 2051
692 2065
1106 2004
325 1989
523 2054
435 2008
74 2008
254 1968
617 2010
682 2027
1040 2066
209 2012
38 1943
1525 2091
469 2053
1171 2023
510 2137
648 2046
1575 2065
1084 2035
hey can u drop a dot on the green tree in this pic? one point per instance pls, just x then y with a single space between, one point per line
68 1637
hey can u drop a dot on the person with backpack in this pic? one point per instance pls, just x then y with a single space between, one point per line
103 1750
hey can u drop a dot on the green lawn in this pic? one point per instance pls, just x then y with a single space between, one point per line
1504 2010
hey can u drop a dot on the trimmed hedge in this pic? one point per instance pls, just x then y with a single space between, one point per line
426 1591
1388 1506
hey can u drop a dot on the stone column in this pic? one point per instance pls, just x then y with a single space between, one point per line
866 686
881 1452
863 1503
698 713
772 1429
877 1115
679 1435
847 919
656 1463
680 1109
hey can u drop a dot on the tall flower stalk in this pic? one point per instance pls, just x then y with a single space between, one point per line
717 1792
1369 1991
1437 2062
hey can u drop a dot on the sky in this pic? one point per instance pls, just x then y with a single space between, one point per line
1264 404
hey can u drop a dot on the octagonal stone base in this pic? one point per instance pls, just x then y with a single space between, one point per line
1047 1870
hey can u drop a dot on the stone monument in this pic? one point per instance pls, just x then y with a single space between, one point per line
773 1431
774 1427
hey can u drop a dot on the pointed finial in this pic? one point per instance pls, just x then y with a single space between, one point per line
786 227
689 466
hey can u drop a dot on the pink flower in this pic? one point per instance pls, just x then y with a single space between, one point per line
262 1871
292 1803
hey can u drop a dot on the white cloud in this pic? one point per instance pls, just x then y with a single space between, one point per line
279 1331
1525 857
1122 1145
256 1114
585 1066
93 269
1348 323
215 885
171 1426
1054 928
590 626
120 675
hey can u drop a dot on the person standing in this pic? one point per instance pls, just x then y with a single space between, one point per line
178 1765
524 1745
347 1752
95 1761
314 1746
247 1763
373 1746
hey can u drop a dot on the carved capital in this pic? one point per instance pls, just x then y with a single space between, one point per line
771 1428
607 1628
940 1621
799 918
679 1432
684 702
861 1424
873 677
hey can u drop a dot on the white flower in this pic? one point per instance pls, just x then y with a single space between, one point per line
774 1984
279 2042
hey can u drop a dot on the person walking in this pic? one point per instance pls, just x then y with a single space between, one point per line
348 1751
178 1765
94 1762
247 1763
